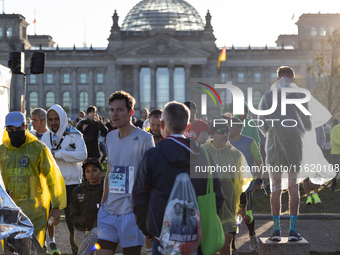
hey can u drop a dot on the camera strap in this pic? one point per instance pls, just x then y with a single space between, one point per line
53 140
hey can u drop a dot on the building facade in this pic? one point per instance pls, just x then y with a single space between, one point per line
153 55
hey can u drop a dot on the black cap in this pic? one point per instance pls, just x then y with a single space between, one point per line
92 161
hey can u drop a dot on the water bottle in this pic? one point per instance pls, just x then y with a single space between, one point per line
239 220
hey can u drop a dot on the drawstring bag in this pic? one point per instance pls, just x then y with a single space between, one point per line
181 231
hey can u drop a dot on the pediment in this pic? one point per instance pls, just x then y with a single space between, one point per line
162 45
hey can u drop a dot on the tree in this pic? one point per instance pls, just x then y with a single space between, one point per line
326 67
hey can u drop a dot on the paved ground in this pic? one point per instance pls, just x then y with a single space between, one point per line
323 235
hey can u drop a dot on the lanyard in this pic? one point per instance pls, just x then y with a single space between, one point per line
53 140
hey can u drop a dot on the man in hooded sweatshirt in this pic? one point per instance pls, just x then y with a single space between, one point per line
69 150
30 174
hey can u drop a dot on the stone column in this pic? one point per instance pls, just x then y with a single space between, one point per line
153 86
119 75
187 68
41 91
171 68
249 76
136 86
57 91
92 89
74 92
204 71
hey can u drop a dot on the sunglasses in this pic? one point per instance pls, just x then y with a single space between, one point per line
91 160
221 131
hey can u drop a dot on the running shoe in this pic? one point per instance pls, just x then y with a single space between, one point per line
309 200
294 236
54 249
254 243
45 247
316 198
234 251
275 236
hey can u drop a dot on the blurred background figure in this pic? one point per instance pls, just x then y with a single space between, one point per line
144 116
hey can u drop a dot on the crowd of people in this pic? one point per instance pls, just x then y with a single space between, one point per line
59 165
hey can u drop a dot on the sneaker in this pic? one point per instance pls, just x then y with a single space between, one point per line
309 200
316 198
254 243
54 249
294 236
275 236
234 252
45 247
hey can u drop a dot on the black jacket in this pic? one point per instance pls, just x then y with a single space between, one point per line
84 200
156 175
91 134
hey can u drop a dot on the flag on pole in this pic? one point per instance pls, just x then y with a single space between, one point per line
221 58
34 21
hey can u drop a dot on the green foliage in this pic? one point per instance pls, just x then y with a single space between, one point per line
326 70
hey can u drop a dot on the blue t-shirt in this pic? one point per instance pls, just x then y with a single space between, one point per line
249 149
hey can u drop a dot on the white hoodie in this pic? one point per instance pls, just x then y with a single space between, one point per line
72 150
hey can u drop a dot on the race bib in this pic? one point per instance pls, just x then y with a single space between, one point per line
121 179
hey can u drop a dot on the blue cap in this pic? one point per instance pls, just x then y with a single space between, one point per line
15 119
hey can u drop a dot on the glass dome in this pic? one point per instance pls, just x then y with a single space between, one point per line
162 15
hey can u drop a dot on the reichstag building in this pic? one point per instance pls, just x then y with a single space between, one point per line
153 54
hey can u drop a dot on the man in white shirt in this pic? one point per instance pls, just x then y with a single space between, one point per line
125 148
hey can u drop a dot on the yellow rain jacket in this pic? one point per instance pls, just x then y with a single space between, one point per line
232 183
32 178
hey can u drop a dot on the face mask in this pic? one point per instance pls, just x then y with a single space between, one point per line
18 138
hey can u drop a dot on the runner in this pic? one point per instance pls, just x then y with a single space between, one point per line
199 129
233 183
30 175
69 150
249 149
126 147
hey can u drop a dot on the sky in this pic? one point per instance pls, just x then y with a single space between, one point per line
238 23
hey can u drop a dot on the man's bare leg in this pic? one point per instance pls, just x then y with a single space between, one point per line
294 202
107 251
148 245
275 201
51 230
226 249
275 198
294 197
104 252
306 186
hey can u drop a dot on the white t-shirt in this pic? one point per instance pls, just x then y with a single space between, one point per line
124 156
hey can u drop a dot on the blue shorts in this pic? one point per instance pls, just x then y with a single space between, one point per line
121 229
